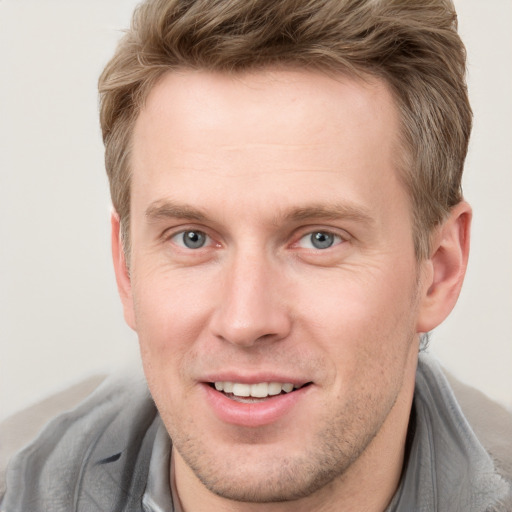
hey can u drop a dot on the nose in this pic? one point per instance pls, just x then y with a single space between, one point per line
252 306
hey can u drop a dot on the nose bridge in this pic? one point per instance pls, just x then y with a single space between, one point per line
252 305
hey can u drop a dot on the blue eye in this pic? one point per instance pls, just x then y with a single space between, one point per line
191 239
319 240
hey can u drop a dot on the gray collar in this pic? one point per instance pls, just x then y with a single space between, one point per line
447 469
158 496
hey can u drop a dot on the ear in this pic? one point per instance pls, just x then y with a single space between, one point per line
446 268
124 284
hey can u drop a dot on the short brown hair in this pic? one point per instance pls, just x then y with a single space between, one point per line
412 45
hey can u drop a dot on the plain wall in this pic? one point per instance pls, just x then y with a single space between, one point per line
61 320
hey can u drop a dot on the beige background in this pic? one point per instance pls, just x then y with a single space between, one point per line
60 319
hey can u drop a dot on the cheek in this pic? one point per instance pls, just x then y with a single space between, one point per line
169 319
165 332
167 307
361 299
364 317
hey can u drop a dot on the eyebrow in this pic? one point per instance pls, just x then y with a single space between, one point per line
165 209
334 211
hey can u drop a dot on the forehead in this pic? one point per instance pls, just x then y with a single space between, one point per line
202 101
264 131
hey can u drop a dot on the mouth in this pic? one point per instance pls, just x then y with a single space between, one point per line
257 403
254 393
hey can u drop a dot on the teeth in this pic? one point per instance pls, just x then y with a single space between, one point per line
274 388
259 390
241 389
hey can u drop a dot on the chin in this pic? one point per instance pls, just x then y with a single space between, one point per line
264 474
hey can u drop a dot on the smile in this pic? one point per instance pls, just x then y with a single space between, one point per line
254 404
246 393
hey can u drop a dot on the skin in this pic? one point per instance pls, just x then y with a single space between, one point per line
258 162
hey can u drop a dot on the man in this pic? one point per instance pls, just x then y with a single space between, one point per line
288 225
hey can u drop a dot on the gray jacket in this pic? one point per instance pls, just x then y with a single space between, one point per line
97 457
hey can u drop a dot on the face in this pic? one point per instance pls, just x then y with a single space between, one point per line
273 281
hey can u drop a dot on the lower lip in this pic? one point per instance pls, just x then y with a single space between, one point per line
255 414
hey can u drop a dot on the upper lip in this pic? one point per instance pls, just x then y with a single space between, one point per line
248 378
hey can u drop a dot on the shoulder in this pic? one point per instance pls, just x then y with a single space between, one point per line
490 421
83 454
461 440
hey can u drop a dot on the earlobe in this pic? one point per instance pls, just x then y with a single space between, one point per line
448 262
121 271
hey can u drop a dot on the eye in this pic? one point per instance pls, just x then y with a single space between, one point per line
191 239
319 240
